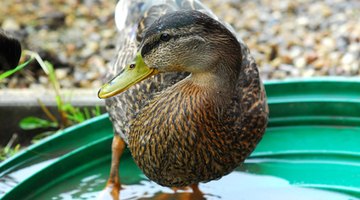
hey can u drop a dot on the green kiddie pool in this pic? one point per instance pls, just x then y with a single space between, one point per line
311 150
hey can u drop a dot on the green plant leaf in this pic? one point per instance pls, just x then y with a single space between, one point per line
12 71
96 111
86 113
30 123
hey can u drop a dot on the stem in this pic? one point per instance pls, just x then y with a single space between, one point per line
49 70
11 141
38 59
47 111
54 82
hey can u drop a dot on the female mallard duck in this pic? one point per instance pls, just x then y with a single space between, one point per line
184 129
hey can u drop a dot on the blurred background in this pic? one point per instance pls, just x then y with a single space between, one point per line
288 38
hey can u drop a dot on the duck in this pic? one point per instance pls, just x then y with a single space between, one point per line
190 104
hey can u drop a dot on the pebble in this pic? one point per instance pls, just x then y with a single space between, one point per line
61 73
91 75
53 19
108 33
300 62
308 73
90 49
10 24
311 57
43 80
347 59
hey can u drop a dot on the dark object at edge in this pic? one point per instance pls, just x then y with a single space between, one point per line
10 51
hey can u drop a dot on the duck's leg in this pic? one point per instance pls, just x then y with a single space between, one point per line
196 194
113 184
196 190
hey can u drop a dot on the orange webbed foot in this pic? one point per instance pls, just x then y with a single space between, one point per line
182 193
110 192
113 186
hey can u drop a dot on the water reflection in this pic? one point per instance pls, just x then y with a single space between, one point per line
237 186
11 179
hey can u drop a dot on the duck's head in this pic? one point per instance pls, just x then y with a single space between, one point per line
182 41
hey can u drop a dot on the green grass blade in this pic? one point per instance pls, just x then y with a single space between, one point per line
86 113
96 111
12 71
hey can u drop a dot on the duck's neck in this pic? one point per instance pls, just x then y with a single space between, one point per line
210 82
204 89
222 79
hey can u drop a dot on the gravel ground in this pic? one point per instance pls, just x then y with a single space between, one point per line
78 38
302 38
288 38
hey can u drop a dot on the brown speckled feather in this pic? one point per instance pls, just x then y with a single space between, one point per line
189 131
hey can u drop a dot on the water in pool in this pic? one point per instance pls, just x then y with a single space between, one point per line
239 185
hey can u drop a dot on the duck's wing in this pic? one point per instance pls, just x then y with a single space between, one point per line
132 18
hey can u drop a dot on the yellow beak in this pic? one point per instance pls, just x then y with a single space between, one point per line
129 76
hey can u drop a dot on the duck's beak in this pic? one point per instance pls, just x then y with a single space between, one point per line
130 75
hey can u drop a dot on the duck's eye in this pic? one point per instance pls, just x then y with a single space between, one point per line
165 37
132 66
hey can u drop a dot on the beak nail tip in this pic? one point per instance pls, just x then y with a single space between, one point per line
100 95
